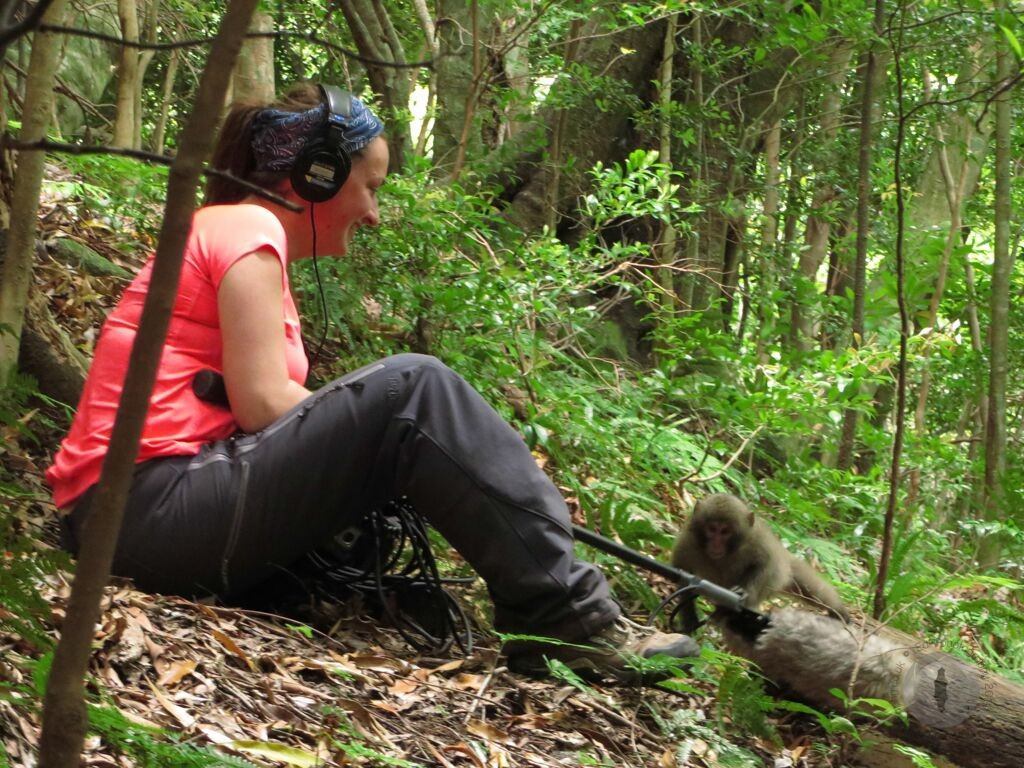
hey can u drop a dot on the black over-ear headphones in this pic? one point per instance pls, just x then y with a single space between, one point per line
323 164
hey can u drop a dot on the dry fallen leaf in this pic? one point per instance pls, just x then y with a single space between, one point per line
488 732
379 663
451 665
345 668
439 757
462 748
281 753
174 673
233 648
467 682
178 713
214 735
403 686
536 720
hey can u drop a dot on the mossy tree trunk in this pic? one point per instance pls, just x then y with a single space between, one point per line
253 79
127 76
16 272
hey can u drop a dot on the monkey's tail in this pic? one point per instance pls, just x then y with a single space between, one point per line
810 586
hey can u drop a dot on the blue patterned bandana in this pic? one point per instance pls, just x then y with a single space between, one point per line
278 136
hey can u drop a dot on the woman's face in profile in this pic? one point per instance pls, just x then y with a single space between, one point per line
355 205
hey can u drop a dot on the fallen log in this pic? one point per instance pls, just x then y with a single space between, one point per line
956 709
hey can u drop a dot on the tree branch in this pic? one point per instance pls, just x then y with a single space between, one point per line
65 90
25 25
140 154
725 467
171 45
360 32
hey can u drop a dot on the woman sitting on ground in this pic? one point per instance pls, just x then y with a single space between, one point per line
224 496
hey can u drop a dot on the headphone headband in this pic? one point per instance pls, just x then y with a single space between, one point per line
339 102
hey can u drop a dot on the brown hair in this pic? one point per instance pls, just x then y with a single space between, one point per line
233 152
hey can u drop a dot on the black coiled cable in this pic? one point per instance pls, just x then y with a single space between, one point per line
400 567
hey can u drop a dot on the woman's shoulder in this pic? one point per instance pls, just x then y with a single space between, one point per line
225 232
235 215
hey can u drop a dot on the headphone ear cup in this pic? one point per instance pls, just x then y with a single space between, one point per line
319 171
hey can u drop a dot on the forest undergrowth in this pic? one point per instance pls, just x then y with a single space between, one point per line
631 445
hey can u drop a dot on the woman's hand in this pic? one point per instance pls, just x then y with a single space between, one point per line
250 303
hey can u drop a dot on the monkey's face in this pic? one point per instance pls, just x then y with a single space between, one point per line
719 538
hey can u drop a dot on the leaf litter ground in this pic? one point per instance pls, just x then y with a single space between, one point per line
277 692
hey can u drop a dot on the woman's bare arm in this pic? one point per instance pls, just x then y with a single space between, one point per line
250 301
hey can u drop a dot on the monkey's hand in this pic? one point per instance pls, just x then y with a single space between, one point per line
744 622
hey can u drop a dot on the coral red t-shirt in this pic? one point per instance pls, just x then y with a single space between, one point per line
178 423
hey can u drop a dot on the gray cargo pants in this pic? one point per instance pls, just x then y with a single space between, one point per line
226 519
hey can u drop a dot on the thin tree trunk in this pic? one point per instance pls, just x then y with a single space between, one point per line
160 130
430 33
955 188
472 95
64 714
770 208
396 92
553 190
849 432
979 406
974 326
791 217
885 556
794 195
24 54
816 237
999 318
16 271
516 68
767 261
689 281
145 59
454 71
127 76
732 258
667 239
975 409
954 199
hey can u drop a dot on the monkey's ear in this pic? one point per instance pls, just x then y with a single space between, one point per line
750 519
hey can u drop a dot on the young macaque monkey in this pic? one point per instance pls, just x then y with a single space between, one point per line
725 543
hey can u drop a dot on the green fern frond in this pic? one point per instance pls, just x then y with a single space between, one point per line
153 747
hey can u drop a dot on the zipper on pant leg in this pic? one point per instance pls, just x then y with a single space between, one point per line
236 525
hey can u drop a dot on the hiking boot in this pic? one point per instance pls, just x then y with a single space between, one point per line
611 652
